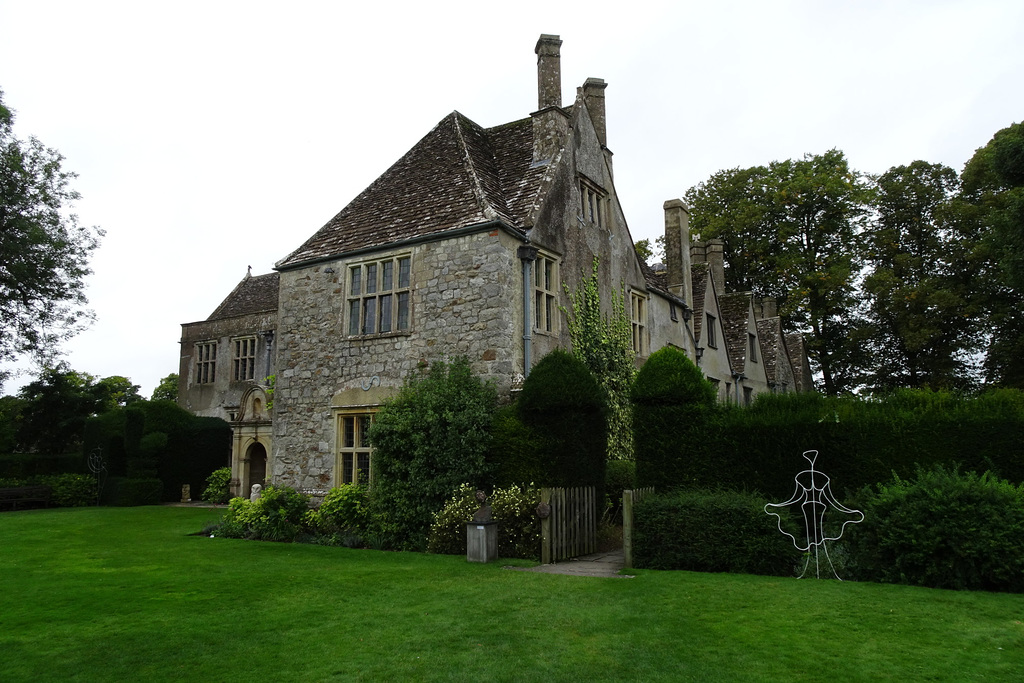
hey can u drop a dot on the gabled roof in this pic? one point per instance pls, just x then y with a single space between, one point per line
735 309
458 176
802 376
658 282
251 295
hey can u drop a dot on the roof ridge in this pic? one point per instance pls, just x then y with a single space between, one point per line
478 191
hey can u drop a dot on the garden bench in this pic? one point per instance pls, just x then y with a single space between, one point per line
30 496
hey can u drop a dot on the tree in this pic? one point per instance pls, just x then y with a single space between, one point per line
167 390
54 411
790 231
993 185
44 252
920 287
115 392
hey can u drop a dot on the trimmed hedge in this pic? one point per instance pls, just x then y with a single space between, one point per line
711 531
861 442
25 465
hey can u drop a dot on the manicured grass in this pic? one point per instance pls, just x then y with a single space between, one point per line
108 594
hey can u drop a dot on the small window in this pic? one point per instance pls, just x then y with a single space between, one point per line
206 362
753 347
748 396
354 450
244 361
378 301
638 315
593 204
545 294
711 332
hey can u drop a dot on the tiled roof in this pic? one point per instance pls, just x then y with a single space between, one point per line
735 309
658 282
251 295
797 346
457 176
769 332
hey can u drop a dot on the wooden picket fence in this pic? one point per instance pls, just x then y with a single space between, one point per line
629 497
570 530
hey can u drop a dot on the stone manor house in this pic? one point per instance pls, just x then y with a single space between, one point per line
461 248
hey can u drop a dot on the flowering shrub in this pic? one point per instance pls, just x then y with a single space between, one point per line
513 508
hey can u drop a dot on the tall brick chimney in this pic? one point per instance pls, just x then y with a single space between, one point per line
677 250
550 122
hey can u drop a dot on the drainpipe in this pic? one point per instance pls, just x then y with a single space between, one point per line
527 255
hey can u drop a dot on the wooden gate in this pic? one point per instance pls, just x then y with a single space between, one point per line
628 498
570 529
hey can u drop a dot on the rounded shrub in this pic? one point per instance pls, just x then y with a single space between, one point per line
344 510
563 406
71 490
218 484
277 515
943 529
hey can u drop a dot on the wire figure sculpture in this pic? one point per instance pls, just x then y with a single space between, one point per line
98 466
814 496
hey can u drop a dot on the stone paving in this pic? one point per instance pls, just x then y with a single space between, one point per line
606 564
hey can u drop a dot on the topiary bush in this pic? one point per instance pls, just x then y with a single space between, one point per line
277 515
943 529
514 510
218 486
710 531
673 408
563 406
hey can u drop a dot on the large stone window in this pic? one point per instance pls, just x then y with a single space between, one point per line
353 457
244 360
379 296
206 362
545 294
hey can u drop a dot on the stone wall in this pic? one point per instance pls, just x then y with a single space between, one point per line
466 301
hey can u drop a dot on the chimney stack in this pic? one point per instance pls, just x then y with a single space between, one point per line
677 249
549 72
593 96
716 261
550 122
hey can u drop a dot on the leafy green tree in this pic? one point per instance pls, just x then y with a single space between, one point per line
790 231
430 438
44 252
604 343
644 250
116 392
56 406
167 390
993 185
920 287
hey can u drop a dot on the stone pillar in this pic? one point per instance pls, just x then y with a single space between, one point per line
677 249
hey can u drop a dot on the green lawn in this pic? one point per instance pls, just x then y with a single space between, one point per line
126 594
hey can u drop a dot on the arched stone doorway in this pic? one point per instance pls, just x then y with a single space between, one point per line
256 456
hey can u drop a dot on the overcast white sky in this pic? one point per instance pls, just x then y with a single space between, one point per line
210 136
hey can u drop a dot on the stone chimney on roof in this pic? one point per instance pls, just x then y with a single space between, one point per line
716 263
677 250
593 96
550 122
549 72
